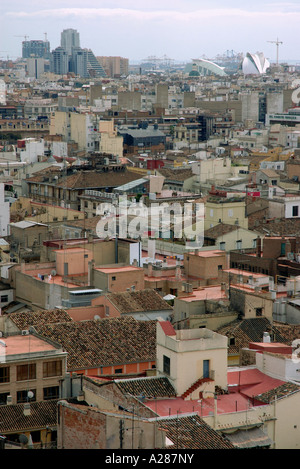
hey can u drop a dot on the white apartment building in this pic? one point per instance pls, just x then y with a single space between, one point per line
4 213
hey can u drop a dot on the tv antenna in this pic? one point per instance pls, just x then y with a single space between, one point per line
277 47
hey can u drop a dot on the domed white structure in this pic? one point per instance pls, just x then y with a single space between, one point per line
204 67
255 64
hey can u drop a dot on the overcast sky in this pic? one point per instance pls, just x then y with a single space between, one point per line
179 29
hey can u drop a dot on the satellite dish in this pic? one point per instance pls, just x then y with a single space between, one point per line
53 273
96 317
23 439
30 394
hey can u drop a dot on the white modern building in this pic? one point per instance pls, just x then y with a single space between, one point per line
255 64
4 213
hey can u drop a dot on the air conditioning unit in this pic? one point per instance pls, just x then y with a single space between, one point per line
25 332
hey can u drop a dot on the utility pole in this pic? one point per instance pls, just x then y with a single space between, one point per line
277 46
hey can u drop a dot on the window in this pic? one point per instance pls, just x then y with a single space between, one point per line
106 310
239 244
222 246
166 365
53 368
3 398
113 278
26 372
232 341
4 374
295 210
4 299
118 370
220 267
22 396
258 312
51 393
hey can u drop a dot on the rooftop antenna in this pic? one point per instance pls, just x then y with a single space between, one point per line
277 46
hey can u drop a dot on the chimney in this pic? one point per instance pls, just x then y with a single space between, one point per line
26 410
258 246
91 265
178 272
150 269
80 396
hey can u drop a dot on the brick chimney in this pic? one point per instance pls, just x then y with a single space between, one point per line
258 246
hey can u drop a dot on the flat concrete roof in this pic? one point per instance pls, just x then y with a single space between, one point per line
23 344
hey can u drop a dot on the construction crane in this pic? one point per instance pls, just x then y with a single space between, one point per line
277 46
24 36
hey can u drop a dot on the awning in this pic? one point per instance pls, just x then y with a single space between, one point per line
253 437
169 297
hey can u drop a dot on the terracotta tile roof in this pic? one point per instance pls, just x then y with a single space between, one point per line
89 179
280 227
281 391
191 432
107 342
219 230
42 414
175 174
250 438
269 173
138 301
147 387
86 223
289 332
23 320
249 330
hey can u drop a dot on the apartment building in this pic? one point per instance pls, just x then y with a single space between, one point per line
31 368
114 67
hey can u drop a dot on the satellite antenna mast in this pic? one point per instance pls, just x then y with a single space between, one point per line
277 46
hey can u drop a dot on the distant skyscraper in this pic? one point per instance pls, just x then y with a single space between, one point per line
114 66
60 61
79 62
35 67
69 39
70 57
94 67
36 48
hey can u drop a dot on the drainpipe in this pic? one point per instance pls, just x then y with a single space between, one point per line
215 410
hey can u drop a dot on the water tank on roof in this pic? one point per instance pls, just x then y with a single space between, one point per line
266 337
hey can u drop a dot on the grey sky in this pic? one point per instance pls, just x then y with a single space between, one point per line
137 28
